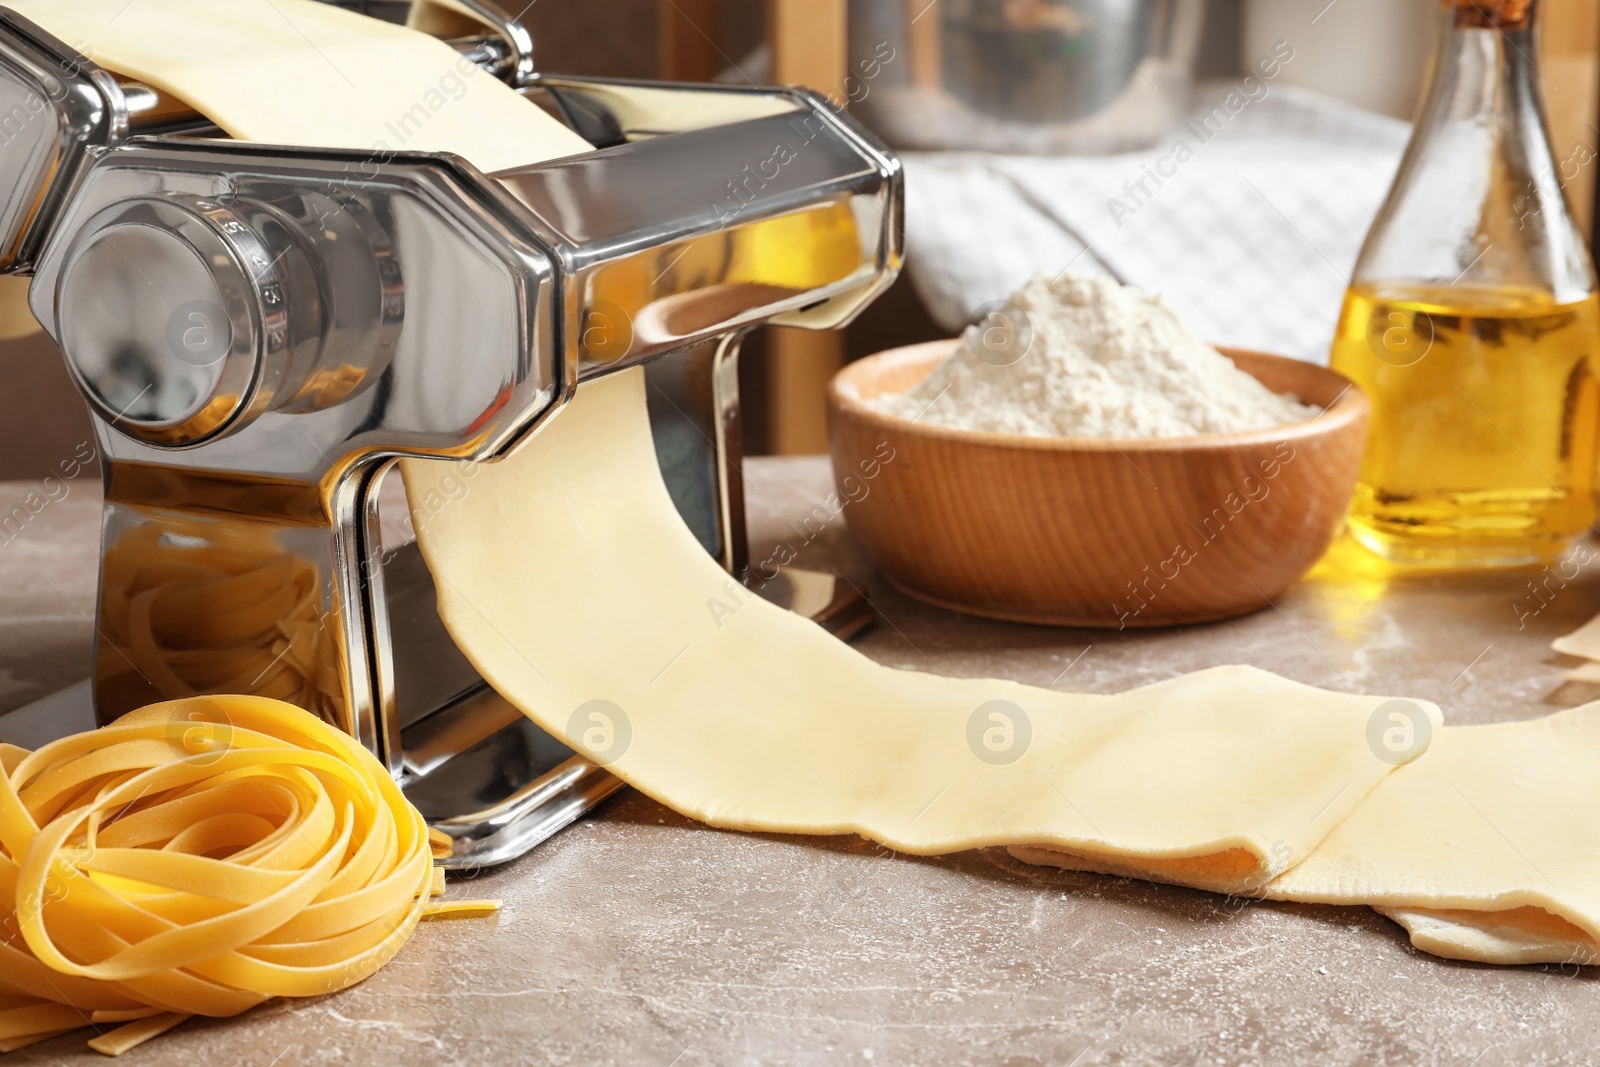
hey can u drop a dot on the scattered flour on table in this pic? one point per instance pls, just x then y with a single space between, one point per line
1105 361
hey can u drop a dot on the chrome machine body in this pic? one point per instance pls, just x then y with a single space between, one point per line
261 332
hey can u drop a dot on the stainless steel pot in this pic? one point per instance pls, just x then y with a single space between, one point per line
1022 75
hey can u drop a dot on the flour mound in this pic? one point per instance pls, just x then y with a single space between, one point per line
1104 361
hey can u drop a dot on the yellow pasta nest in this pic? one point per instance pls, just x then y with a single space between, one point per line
197 858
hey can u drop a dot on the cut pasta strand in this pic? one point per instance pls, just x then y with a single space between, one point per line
461 909
135 1034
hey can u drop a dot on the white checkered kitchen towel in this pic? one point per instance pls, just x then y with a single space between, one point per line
1249 231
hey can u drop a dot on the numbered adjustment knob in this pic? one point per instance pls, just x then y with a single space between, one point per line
174 312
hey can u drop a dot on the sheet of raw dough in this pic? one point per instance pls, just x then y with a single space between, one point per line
1500 819
567 577
297 72
1584 642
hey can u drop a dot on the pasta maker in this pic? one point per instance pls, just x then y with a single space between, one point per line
261 332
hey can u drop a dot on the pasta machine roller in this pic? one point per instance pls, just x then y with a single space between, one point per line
261 331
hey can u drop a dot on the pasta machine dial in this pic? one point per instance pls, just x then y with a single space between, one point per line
183 317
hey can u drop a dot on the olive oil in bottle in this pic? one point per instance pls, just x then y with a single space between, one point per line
1484 421
1472 322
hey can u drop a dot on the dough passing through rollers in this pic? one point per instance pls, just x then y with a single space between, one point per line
750 717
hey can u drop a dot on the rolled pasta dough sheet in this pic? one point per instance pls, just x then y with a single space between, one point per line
1484 849
1519 936
567 577
1584 642
297 72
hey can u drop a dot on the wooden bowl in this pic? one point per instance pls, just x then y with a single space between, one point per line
1094 532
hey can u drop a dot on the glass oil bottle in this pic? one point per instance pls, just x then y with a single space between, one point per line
1472 321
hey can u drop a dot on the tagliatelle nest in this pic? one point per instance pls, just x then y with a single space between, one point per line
197 858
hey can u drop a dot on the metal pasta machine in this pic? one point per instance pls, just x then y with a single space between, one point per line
261 331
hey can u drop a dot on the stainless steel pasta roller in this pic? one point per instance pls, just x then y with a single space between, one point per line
260 332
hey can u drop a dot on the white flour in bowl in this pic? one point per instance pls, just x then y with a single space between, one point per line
1082 356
